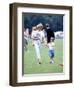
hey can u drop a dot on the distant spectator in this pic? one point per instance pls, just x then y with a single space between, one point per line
26 37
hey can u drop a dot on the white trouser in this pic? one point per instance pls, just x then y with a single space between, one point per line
37 45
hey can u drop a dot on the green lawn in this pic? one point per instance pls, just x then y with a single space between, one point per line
32 67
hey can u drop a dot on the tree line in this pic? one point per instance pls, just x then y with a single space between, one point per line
55 21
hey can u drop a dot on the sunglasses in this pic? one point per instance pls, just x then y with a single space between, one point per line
47 26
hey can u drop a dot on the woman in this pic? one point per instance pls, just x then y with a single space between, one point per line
36 43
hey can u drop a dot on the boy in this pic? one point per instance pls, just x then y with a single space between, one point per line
51 46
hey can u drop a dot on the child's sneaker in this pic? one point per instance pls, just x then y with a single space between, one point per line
51 62
40 62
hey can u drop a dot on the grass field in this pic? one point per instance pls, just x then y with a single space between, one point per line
32 67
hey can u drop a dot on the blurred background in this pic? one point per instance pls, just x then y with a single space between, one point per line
55 21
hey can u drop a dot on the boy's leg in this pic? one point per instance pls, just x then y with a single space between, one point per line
51 55
52 61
